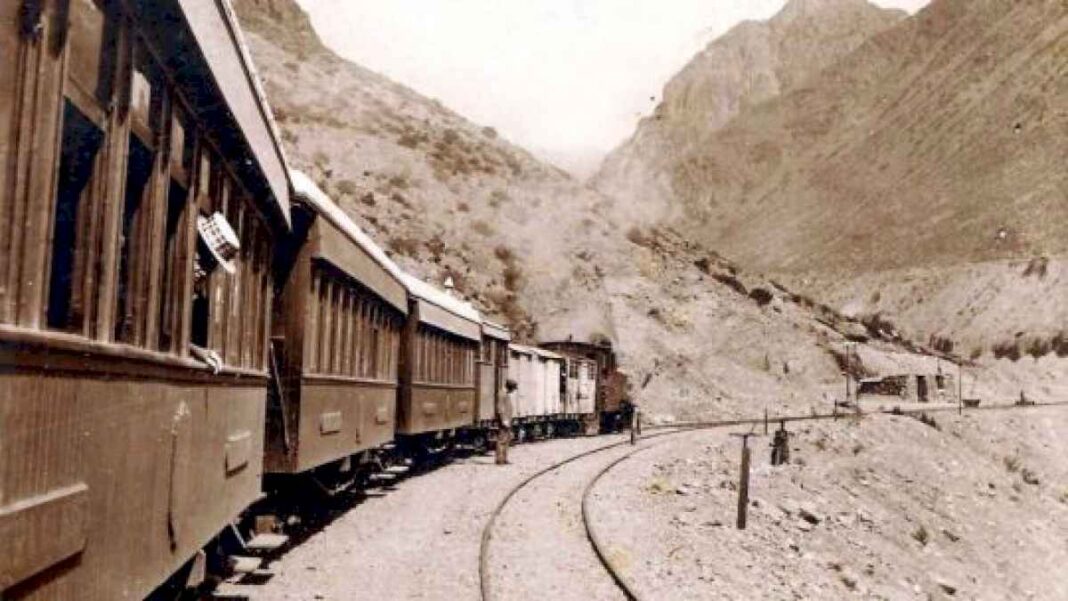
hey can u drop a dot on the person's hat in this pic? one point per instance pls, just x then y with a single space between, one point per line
220 239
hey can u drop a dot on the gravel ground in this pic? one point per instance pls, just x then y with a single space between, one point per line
886 508
540 550
418 541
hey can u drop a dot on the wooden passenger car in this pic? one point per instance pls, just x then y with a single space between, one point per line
131 391
339 317
438 349
492 371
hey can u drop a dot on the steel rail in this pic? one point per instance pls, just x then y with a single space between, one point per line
670 430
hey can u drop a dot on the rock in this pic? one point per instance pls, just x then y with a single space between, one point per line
947 586
807 512
683 490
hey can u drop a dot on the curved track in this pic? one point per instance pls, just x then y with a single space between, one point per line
594 539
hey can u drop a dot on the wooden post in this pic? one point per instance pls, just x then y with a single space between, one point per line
743 485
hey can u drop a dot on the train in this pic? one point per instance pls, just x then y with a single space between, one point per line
190 327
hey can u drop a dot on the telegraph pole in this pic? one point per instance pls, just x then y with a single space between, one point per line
743 481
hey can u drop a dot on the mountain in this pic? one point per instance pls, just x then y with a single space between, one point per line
935 148
542 252
751 63
938 140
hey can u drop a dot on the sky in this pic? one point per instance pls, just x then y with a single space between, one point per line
566 79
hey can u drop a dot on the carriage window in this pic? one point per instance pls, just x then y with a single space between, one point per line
133 245
170 322
80 145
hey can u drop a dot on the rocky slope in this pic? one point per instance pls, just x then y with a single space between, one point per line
751 63
882 508
533 247
935 147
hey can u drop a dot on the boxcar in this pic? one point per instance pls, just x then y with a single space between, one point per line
492 371
140 188
612 404
437 379
539 397
581 390
336 339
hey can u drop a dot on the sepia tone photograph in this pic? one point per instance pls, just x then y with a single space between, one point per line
503 300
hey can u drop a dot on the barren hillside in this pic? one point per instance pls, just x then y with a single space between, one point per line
934 149
535 248
751 63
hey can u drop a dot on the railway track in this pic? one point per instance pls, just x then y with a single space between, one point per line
596 542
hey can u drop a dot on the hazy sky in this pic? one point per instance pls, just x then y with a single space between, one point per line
568 79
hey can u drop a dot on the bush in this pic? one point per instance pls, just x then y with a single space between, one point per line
921 536
731 282
409 247
1059 344
1007 350
1039 348
761 296
940 343
1037 267
878 326
638 237
703 264
346 187
503 253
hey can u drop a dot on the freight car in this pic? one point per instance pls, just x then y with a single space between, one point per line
613 406
141 188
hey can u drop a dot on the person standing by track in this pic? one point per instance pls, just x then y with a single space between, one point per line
505 404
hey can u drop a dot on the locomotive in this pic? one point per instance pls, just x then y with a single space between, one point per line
188 325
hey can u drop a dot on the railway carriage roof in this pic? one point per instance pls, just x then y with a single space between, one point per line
533 350
307 189
427 292
218 36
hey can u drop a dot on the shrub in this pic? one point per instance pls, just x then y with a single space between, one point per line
878 326
761 296
731 282
638 237
503 253
976 353
703 264
346 187
921 535
482 228
1012 463
1059 343
1037 267
1007 350
402 245
513 277
940 343
1039 348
